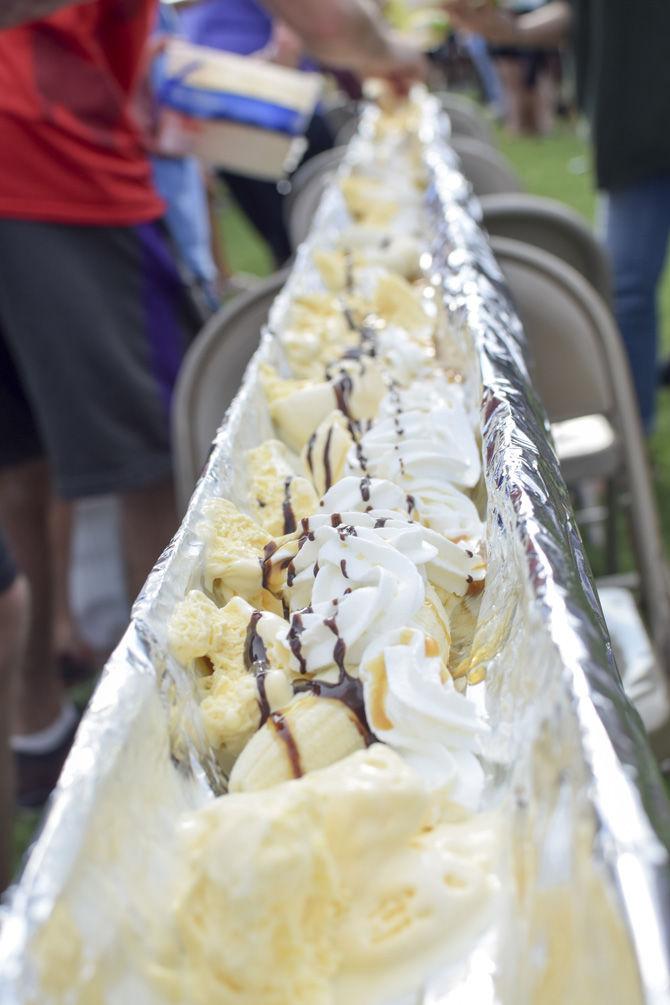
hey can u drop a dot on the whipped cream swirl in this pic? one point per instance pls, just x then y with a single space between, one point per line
357 575
348 583
414 445
412 705
353 494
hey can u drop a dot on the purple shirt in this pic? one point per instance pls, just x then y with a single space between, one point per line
240 26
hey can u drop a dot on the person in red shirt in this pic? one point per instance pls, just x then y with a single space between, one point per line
94 319
94 322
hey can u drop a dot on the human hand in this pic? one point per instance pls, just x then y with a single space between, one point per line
402 65
284 48
483 18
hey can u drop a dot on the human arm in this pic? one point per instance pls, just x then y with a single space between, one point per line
15 12
547 26
351 35
285 47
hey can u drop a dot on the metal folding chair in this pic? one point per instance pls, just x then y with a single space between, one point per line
549 224
210 378
487 170
466 117
581 372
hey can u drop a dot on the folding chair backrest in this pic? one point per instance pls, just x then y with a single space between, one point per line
549 224
313 176
580 364
566 357
339 111
304 206
485 168
466 117
210 377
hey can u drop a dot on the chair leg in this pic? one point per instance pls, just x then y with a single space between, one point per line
611 526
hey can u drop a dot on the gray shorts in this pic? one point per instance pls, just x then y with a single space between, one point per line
94 323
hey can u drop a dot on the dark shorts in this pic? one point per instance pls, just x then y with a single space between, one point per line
94 322
7 568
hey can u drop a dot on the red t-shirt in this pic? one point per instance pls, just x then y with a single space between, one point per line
69 149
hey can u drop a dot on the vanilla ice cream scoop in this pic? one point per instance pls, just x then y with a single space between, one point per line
378 202
341 268
400 304
413 706
403 357
278 497
399 253
317 331
340 888
243 668
235 546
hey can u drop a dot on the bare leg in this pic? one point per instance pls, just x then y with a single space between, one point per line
510 75
546 93
67 640
25 499
14 607
218 250
148 521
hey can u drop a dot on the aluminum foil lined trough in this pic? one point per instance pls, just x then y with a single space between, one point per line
587 915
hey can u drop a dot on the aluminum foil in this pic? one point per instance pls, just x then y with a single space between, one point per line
589 891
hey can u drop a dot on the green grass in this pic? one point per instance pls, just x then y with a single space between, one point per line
245 250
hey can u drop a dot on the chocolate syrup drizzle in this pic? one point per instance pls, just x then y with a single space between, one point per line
348 270
327 468
284 733
342 389
346 689
310 450
293 636
268 552
256 662
287 508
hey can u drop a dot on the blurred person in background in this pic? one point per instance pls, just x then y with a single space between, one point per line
528 79
14 606
181 183
245 27
492 87
623 81
94 319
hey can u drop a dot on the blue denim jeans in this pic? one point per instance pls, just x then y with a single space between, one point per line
637 227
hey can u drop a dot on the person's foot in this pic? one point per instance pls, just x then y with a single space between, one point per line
77 667
240 282
75 658
664 372
39 758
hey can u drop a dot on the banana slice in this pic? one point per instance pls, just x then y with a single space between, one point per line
308 734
